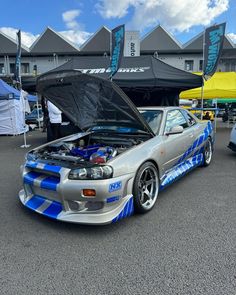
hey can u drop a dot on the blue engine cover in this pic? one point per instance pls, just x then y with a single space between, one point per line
85 152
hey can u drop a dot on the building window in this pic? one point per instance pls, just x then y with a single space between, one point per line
200 65
232 67
25 68
189 65
2 69
12 68
227 67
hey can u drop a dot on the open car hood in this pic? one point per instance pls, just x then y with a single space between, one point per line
89 101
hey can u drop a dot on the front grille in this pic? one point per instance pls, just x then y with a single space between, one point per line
47 194
45 172
46 169
42 180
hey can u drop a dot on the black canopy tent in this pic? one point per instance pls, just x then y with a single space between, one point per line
29 84
145 79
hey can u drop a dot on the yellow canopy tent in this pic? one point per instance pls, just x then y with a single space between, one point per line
220 85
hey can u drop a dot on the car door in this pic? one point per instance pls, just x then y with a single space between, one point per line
193 126
175 145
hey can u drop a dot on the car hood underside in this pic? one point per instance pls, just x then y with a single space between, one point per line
89 101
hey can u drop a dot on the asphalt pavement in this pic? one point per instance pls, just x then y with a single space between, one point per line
185 245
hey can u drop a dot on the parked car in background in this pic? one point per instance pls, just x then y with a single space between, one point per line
35 117
192 106
232 141
229 115
119 162
220 113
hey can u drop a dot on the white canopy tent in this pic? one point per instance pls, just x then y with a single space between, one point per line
12 107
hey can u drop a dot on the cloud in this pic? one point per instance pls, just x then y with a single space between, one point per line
76 37
232 36
69 17
114 8
174 15
74 34
27 38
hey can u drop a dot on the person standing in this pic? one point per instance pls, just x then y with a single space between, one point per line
55 120
45 113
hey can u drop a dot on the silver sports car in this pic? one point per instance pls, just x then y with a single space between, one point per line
119 162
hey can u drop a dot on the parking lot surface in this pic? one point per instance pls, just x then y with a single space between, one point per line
185 245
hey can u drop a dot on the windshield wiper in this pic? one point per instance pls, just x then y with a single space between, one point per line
142 132
104 130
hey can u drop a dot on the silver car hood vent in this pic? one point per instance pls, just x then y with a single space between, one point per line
90 101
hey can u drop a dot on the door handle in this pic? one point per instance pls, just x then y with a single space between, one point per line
191 135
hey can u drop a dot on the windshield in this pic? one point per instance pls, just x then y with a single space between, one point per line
115 128
153 118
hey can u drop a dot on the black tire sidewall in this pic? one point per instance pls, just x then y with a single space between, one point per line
138 208
205 164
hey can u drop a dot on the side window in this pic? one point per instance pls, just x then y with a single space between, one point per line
191 121
175 118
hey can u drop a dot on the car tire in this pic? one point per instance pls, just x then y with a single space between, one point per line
207 153
145 187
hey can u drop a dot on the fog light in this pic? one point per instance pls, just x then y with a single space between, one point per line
93 205
74 206
89 193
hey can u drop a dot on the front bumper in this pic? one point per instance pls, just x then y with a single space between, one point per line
232 146
48 191
54 210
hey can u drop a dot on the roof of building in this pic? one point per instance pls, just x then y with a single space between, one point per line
159 40
196 43
99 42
9 45
228 43
52 42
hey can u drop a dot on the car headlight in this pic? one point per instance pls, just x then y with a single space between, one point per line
96 172
30 156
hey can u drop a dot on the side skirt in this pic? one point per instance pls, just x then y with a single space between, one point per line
181 169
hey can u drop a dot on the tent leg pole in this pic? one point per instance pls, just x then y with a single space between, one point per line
215 114
37 103
25 145
202 91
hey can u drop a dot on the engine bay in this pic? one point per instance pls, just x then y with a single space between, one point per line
92 148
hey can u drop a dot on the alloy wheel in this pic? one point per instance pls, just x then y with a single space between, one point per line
148 186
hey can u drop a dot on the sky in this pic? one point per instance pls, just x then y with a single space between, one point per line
77 20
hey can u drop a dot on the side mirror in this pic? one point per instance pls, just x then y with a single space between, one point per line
175 130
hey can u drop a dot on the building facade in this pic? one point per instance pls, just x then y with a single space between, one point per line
51 50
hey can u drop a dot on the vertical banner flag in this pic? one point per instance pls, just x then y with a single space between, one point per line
214 38
117 48
17 76
132 43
